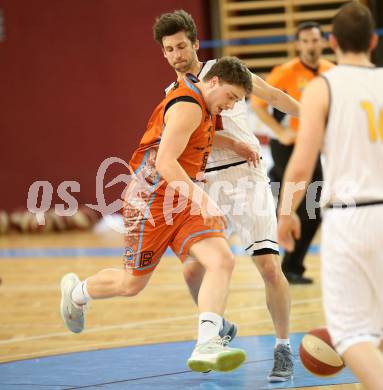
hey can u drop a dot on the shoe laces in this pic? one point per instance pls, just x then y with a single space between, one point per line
221 341
225 340
282 358
214 343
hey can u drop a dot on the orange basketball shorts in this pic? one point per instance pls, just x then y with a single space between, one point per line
151 227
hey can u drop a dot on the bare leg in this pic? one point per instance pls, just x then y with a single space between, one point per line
211 352
116 282
366 362
277 293
105 284
193 275
215 256
276 289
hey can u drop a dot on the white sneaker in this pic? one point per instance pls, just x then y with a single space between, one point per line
73 316
215 355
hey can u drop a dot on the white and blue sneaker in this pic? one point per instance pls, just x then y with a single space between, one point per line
72 315
215 355
228 329
283 369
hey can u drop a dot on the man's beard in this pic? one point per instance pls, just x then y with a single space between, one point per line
183 67
313 56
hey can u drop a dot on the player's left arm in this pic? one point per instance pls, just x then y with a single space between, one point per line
274 96
314 111
241 148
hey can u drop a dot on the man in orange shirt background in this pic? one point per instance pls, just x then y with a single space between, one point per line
292 77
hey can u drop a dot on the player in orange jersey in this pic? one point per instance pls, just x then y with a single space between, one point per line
247 196
165 206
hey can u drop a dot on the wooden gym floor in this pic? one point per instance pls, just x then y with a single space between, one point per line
31 325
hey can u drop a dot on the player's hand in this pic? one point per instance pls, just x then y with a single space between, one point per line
289 230
213 216
248 152
287 137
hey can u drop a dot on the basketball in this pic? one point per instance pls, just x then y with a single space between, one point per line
318 355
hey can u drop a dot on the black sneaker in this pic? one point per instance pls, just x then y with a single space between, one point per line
283 368
294 278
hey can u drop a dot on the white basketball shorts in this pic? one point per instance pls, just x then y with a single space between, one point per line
243 192
352 274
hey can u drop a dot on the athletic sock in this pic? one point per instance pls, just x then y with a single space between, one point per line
282 342
209 326
80 295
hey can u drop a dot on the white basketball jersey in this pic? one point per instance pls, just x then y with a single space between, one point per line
353 145
235 125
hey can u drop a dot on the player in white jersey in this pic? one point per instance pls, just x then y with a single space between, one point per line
241 190
342 112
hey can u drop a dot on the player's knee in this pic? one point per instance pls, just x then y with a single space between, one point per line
270 269
271 274
129 288
225 261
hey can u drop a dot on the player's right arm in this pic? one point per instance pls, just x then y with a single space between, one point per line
181 120
267 92
275 96
285 136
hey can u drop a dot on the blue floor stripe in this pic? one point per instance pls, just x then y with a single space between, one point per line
159 366
60 252
53 253
208 44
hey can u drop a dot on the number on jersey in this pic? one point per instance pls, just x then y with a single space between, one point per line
375 129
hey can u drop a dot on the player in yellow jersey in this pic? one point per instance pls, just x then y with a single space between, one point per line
342 113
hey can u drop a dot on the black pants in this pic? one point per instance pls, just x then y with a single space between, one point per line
308 214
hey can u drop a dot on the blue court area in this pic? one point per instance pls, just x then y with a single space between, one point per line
159 366
53 253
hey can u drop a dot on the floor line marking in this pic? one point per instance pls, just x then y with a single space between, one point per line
142 323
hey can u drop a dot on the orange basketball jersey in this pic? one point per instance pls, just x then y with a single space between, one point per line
153 222
292 77
194 158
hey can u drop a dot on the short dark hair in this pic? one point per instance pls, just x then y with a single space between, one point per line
232 71
307 26
353 27
174 22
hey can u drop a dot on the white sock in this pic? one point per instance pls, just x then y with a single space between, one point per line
282 341
80 295
209 326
